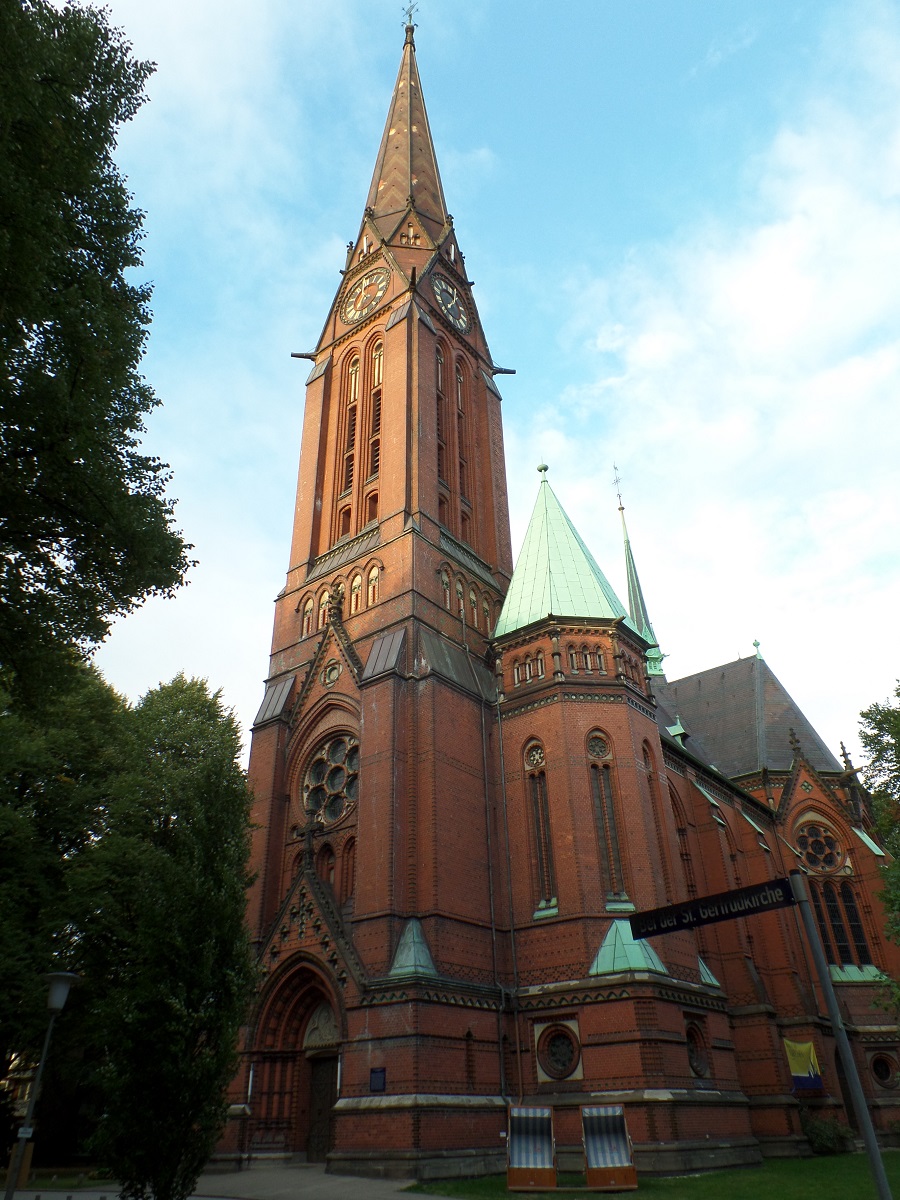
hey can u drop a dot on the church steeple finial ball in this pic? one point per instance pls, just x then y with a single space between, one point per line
543 469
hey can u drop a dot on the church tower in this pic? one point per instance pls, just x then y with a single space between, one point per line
374 903
467 778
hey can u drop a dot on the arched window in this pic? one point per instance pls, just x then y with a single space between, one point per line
684 849
445 588
473 604
371 507
586 658
539 664
350 425
344 521
461 433
544 875
526 668
573 660
372 590
325 865
375 415
464 529
323 610
517 674
441 403
442 510
307 617
486 613
601 662
460 603
824 932
348 870
836 921
857 933
600 770
355 594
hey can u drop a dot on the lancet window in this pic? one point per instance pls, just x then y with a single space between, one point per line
375 409
373 581
600 769
355 594
536 781
323 610
307 618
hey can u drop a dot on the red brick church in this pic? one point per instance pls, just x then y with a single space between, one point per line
468 775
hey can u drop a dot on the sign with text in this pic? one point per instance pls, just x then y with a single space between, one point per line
742 902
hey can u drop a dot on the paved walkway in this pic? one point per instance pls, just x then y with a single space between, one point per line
301 1181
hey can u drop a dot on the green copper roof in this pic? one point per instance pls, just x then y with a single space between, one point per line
620 952
412 956
640 618
555 574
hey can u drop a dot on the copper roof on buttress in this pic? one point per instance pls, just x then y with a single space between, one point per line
406 170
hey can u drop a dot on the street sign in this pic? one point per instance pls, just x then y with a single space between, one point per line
26 1132
725 906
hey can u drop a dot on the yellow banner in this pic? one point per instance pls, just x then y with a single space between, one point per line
804 1065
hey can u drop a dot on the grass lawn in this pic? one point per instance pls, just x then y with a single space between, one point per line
838 1177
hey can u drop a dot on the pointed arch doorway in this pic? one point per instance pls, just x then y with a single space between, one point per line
296 1064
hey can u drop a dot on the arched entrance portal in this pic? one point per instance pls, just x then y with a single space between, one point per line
295 1060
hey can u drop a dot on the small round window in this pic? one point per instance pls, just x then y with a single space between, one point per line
884 1069
819 848
558 1051
332 779
598 746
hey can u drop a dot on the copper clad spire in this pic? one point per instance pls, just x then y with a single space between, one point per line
406 171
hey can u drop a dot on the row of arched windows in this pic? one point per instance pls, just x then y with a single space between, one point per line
580 660
362 591
471 605
359 436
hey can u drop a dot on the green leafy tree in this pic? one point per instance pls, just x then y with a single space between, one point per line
86 531
880 735
157 905
55 772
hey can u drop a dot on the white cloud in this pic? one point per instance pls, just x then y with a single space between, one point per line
746 381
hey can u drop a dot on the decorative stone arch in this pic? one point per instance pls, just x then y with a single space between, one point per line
293 1049
334 713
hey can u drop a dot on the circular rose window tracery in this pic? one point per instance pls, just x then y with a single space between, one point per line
558 1051
819 847
331 785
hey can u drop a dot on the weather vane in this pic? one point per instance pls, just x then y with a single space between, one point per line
410 12
617 484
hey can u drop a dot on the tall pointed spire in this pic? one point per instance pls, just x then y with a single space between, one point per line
556 575
406 172
640 618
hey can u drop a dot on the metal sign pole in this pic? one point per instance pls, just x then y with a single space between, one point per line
798 887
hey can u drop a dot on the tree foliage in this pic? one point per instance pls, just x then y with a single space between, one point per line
158 903
86 531
880 735
123 856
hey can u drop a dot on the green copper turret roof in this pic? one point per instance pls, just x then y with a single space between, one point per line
555 575
640 618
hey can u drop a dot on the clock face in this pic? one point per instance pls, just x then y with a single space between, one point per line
365 294
450 302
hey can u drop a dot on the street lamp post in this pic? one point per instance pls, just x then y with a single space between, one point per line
60 982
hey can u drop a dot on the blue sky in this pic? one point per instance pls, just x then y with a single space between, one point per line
683 220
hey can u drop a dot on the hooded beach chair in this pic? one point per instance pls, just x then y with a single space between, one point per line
530 1150
607 1149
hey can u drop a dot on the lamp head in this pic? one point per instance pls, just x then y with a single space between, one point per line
60 982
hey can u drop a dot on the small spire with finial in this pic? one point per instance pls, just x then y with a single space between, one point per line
617 484
543 469
409 12
756 645
794 740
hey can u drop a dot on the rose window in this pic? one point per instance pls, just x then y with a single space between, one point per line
558 1051
819 848
332 779
598 746
534 755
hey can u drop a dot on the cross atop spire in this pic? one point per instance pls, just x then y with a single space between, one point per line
406 175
